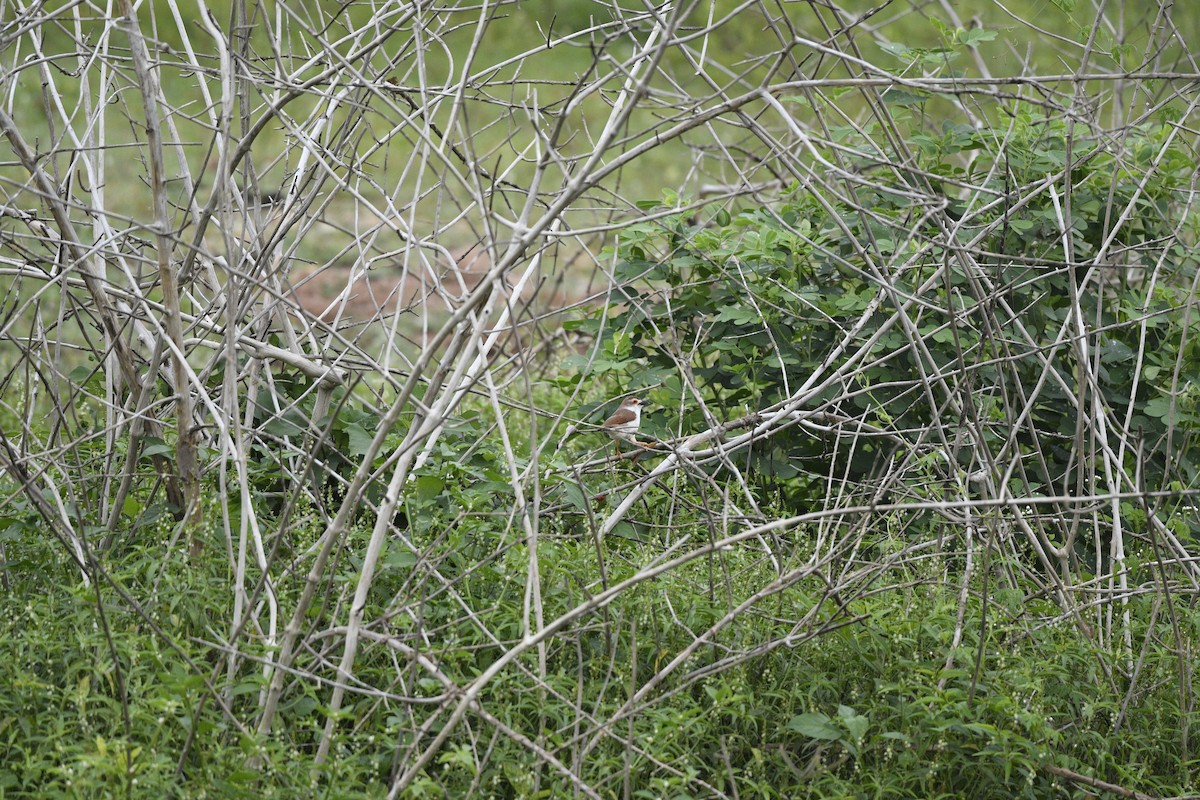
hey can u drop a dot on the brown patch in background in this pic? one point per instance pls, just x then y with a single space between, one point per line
380 292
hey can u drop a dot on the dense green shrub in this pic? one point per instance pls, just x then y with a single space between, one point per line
754 303
873 708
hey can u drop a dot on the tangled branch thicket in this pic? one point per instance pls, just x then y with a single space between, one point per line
313 309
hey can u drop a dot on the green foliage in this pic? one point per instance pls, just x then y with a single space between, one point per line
866 710
90 712
759 300
739 672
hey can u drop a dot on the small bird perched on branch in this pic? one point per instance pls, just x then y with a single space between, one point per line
624 423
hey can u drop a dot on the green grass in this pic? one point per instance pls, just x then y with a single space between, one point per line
102 705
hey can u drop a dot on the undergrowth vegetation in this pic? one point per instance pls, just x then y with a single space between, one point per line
911 512
876 696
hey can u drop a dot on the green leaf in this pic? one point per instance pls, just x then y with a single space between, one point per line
603 365
399 558
902 97
1159 408
282 427
974 36
739 315
157 447
428 487
575 363
815 726
460 756
359 439
1116 351
624 530
589 325
575 496
855 723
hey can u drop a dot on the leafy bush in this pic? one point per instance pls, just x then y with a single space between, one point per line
989 292
922 362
